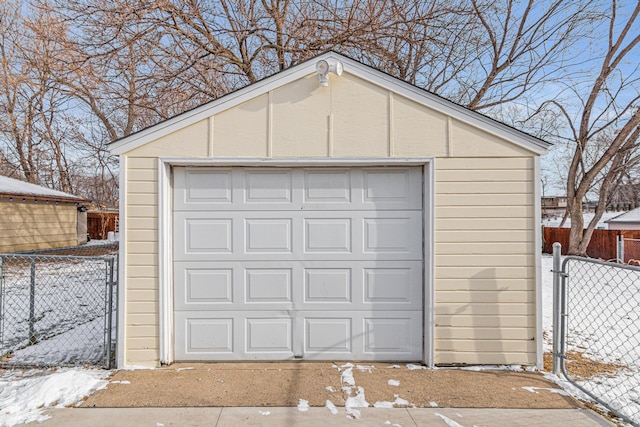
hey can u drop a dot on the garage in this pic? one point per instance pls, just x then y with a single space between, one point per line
316 263
325 215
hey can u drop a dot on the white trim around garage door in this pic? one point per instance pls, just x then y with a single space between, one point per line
165 231
122 284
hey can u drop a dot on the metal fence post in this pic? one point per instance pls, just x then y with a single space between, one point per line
32 302
557 297
1 304
109 311
620 249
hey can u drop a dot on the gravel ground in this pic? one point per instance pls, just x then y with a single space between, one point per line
285 383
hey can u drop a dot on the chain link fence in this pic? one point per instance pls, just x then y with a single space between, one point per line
58 307
598 316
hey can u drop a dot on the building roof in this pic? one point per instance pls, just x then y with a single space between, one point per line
416 94
632 216
10 187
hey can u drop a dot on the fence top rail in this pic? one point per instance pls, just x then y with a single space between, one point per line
599 262
105 258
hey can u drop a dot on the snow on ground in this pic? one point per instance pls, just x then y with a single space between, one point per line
554 221
69 311
24 396
603 325
78 345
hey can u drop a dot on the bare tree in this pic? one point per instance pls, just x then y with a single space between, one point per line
604 133
32 109
107 69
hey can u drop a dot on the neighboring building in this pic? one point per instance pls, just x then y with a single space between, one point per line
34 217
326 217
626 221
553 205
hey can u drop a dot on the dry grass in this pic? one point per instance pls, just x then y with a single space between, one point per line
583 368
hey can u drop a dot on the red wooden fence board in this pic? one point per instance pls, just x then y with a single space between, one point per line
602 244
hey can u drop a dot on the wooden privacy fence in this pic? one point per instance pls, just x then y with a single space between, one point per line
602 244
99 224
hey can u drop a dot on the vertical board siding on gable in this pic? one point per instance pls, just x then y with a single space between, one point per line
485 260
142 261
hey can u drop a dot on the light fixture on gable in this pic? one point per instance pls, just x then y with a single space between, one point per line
323 68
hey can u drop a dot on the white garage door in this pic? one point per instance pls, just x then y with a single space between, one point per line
282 263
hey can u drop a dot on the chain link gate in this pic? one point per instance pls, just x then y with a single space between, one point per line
596 314
628 250
57 310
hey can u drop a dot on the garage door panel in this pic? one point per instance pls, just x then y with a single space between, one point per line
268 285
393 235
340 235
327 235
268 235
206 335
392 187
208 235
327 186
229 335
378 335
269 335
206 189
268 186
308 285
207 285
392 285
277 263
328 285
328 335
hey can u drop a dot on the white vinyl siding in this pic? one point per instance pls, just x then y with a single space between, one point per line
485 257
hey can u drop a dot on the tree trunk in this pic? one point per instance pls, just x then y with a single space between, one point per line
576 235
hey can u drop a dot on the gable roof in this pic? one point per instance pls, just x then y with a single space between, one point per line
10 188
632 216
358 69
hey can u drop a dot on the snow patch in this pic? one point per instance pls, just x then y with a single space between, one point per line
24 399
137 368
331 407
568 387
383 404
413 367
400 402
183 369
552 390
365 368
346 365
353 414
303 405
393 367
514 368
120 382
346 377
357 401
448 421
433 404
394 383
330 389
